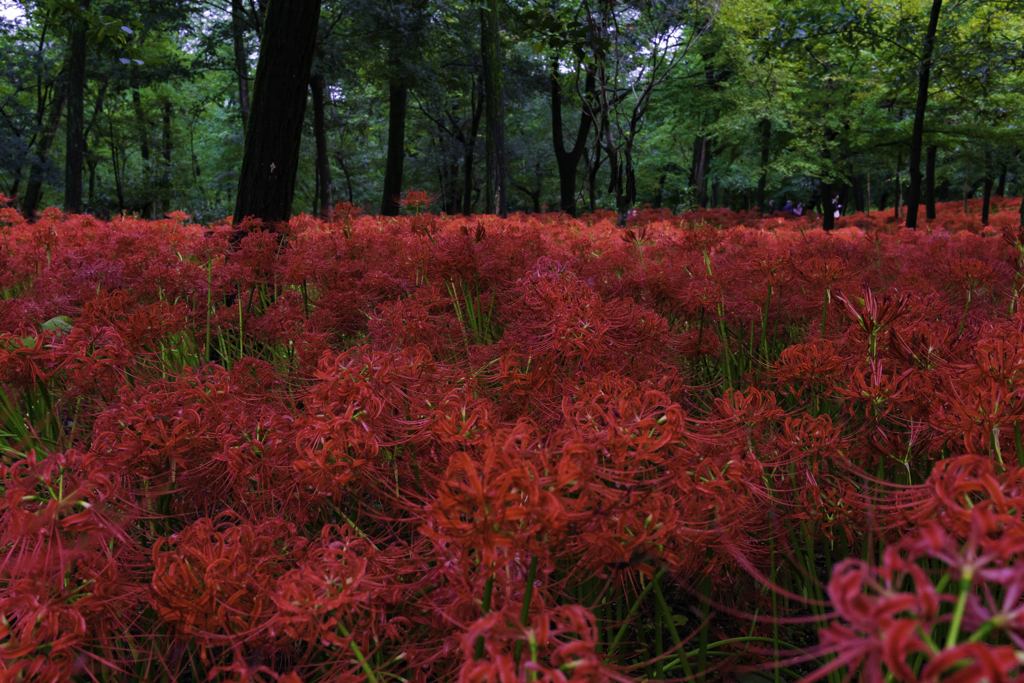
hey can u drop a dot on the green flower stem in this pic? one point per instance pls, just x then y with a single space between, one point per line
958 612
524 614
488 590
370 676
634 608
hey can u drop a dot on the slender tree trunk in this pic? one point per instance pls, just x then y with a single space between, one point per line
166 174
241 62
929 182
266 184
344 167
397 105
592 177
323 201
469 152
142 133
766 141
1001 188
118 185
986 197
568 161
34 191
868 202
917 139
899 187
494 92
74 151
700 153
828 220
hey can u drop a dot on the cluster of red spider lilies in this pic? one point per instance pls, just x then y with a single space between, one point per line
535 449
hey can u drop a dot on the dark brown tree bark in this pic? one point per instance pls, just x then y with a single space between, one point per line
828 220
74 152
34 191
241 62
917 138
469 147
496 200
701 152
929 182
568 160
398 101
266 183
986 196
324 200
1001 187
166 173
766 141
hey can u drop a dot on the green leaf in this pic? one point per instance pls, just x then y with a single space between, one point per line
60 324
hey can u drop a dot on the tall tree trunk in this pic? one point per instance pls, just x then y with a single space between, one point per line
241 62
568 160
1001 188
929 182
986 197
494 93
697 173
477 102
142 132
397 105
828 219
857 192
898 208
324 200
166 174
266 182
344 167
592 177
34 191
766 141
74 152
917 139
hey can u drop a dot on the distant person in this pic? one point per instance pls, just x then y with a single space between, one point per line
771 206
836 207
788 208
798 210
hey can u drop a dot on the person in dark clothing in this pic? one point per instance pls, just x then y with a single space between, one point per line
788 208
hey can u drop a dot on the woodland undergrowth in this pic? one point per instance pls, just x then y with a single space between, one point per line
718 447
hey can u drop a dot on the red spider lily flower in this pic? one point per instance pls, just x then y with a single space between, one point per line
873 313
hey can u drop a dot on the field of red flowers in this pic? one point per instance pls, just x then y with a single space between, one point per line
711 448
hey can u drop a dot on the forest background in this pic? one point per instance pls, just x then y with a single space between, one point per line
601 104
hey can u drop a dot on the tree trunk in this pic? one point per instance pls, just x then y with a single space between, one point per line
241 63
828 220
496 199
700 154
986 197
397 105
929 182
766 141
323 201
74 152
34 191
917 139
469 150
857 192
344 167
1001 188
166 175
898 208
568 161
266 183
